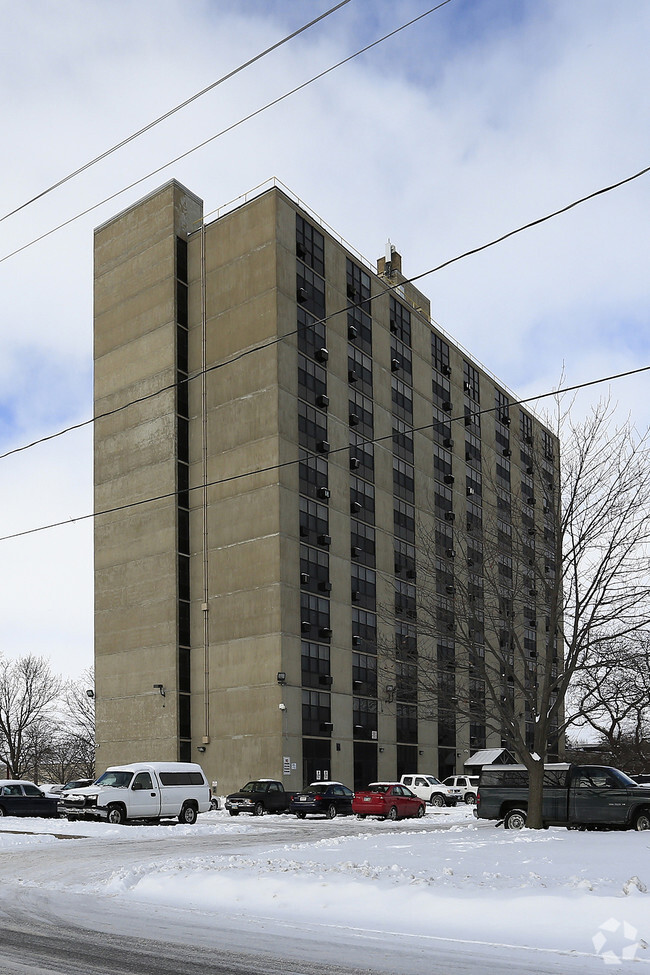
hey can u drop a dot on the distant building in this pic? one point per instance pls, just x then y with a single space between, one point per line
274 434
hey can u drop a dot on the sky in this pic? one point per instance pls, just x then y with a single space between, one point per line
478 119
437 894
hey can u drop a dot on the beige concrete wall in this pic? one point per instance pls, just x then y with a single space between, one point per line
135 547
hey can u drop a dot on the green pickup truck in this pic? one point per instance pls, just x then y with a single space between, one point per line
575 796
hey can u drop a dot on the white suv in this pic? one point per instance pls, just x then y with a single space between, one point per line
464 787
431 789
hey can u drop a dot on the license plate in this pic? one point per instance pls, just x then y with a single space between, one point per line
367 799
303 798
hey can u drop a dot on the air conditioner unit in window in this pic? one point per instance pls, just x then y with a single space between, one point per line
326 726
322 355
449 479
393 326
450 590
355 551
447 406
355 595
323 446
304 531
352 376
507 452
300 251
353 420
305 626
530 500
352 332
470 492
325 631
466 387
304 578
325 586
355 463
449 516
323 401
356 641
323 493
324 540
325 679
351 291
301 295
448 442
394 365
355 507
450 553
445 369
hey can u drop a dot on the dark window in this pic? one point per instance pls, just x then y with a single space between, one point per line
401 353
364 628
406 724
441 392
181 349
403 480
362 541
364 718
316 713
183 484
183 433
315 615
439 354
183 531
184 669
315 663
400 321
526 428
404 559
362 457
360 407
312 427
183 623
312 474
183 576
473 451
312 381
405 600
441 463
402 399
313 521
471 382
310 245
360 370
181 259
364 674
404 520
184 725
362 500
363 586
182 395
402 440
314 568
312 334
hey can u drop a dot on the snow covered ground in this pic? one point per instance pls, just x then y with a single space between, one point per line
446 878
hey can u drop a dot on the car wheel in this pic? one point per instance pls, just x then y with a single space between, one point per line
187 815
470 799
437 800
642 820
392 813
514 819
258 809
331 811
420 812
301 815
116 815
214 804
2 812
234 812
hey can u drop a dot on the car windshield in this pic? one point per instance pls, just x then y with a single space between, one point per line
314 790
378 787
432 780
117 780
256 786
624 778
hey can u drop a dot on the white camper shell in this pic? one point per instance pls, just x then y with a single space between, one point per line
144 790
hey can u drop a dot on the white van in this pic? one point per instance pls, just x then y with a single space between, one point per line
144 790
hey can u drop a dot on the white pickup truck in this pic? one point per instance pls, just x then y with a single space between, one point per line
147 790
431 789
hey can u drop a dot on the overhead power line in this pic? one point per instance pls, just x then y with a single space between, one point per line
229 128
327 318
173 111
291 463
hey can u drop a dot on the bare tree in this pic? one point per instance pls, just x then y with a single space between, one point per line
29 693
75 741
610 694
529 592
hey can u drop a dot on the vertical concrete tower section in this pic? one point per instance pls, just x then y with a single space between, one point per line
138 309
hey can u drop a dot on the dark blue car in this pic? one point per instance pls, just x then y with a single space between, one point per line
20 798
329 799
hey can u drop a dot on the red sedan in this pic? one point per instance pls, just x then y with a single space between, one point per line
390 800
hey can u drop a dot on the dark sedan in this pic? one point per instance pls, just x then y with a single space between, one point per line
329 799
19 798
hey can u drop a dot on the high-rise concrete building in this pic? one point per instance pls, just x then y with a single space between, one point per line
281 433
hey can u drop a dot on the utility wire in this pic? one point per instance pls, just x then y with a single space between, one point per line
173 111
291 463
201 145
327 318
